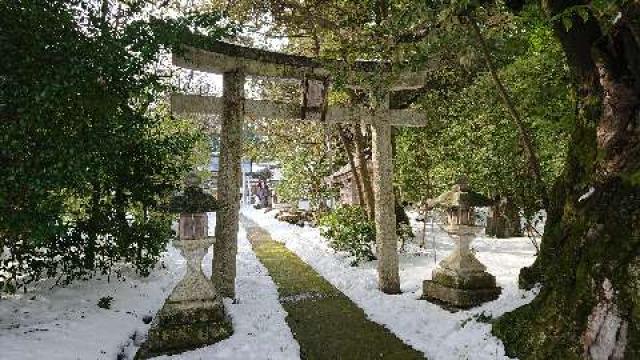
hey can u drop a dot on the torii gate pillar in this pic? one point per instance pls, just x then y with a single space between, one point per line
385 218
229 182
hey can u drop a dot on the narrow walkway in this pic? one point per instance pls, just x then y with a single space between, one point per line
325 322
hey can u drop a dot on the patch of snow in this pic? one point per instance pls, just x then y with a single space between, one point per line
259 327
586 195
441 335
66 323
617 18
304 205
211 223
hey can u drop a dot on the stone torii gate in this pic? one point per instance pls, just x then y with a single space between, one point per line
234 63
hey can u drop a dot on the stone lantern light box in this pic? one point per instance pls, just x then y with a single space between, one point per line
461 280
192 205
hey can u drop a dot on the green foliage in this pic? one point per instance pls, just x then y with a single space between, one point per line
303 177
105 302
348 229
472 134
193 200
300 150
88 151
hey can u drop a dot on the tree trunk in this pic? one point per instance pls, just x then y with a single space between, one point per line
385 219
589 262
92 236
229 181
348 148
504 219
363 168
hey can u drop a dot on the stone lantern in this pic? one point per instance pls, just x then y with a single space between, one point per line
461 280
193 315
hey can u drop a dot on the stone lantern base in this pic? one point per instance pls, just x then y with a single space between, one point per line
180 327
460 280
460 291
193 316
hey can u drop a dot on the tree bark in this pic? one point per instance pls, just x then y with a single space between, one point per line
589 262
385 219
229 181
504 219
363 168
348 147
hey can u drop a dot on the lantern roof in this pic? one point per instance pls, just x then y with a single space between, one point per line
460 196
193 199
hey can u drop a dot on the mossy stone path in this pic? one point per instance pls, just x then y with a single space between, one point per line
326 323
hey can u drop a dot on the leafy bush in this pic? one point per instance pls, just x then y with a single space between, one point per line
348 229
405 233
193 200
105 302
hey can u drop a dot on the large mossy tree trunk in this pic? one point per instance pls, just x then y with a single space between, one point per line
589 264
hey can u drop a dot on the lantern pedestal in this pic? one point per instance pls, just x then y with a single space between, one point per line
461 280
193 316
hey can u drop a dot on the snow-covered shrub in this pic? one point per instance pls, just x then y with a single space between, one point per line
348 229
84 247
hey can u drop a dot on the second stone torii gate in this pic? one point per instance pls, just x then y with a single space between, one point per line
234 62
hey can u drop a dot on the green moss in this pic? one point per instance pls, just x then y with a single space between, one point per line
537 331
633 178
597 240
335 328
292 275
326 324
633 294
175 339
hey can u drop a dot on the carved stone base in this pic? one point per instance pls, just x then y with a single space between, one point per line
460 290
461 280
193 316
184 326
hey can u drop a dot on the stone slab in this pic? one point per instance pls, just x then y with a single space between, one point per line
184 326
464 280
459 298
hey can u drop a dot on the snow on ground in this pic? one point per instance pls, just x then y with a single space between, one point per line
66 323
441 335
260 330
